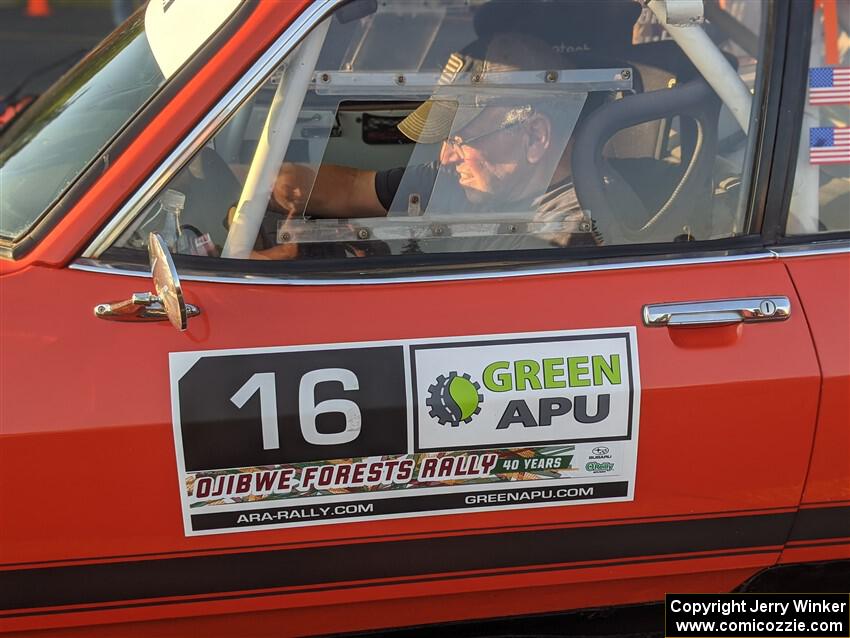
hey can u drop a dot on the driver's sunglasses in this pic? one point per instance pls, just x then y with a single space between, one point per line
458 141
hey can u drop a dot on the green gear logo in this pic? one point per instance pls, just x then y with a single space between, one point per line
454 399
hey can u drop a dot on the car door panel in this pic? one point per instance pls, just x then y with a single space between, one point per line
822 529
708 483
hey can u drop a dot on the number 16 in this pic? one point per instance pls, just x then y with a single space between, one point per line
308 409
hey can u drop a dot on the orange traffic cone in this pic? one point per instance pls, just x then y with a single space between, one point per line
38 8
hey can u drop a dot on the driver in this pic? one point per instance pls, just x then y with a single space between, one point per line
508 154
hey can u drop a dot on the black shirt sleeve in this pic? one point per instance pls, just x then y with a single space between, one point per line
386 185
411 179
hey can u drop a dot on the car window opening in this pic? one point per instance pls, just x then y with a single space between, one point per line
633 134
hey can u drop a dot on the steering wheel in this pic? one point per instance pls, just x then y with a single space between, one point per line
628 221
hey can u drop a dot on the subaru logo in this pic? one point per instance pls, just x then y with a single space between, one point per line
599 451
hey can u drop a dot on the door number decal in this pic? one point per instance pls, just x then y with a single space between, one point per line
276 437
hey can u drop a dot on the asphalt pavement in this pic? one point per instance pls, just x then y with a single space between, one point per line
29 44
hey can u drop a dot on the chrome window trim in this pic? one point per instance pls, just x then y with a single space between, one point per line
830 247
654 261
209 124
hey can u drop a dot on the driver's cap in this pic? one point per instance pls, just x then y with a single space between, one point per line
435 118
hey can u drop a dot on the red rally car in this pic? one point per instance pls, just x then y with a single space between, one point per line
629 224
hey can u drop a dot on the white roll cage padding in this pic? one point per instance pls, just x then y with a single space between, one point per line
705 56
271 148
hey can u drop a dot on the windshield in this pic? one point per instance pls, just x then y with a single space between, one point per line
65 130
48 148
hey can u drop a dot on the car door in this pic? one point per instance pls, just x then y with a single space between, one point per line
814 249
680 467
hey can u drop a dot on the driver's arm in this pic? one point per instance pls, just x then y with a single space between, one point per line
339 191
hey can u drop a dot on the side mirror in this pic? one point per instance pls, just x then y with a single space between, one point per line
166 282
166 304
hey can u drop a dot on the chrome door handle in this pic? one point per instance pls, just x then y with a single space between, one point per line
718 312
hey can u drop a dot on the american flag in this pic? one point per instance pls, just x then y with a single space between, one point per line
829 85
829 145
